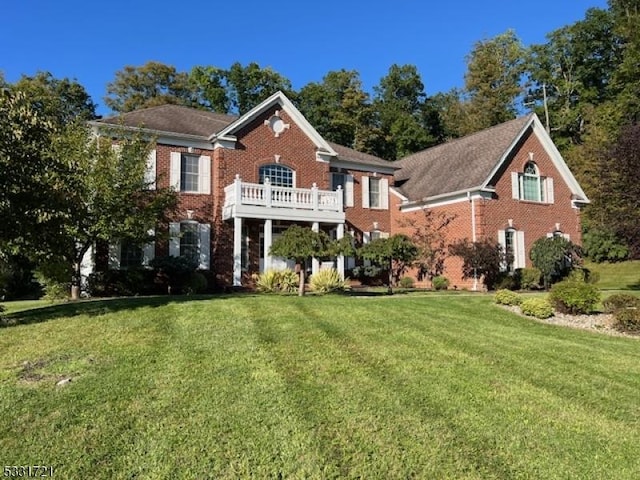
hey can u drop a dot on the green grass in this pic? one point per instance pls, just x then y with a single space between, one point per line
618 276
409 386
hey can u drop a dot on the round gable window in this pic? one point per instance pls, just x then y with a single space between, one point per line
276 124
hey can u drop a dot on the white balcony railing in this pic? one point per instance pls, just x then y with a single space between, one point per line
265 195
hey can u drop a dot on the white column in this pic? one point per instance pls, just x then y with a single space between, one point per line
268 239
237 251
315 263
340 261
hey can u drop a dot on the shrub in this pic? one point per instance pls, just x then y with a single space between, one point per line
196 283
582 274
406 282
620 301
327 281
555 257
604 246
508 281
440 282
55 276
114 283
627 320
507 297
173 273
276 281
574 297
530 278
536 307
370 274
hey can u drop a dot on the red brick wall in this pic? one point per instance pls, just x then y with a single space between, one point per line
361 219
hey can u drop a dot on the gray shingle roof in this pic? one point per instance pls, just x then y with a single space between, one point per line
174 119
458 165
350 155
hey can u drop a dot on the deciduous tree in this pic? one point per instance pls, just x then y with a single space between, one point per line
395 254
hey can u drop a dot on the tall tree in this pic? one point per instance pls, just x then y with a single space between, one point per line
250 85
149 85
340 109
395 254
403 113
208 84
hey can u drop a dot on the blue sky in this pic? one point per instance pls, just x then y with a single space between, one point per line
90 40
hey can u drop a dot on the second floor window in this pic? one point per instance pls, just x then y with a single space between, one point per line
189 173
530 186
278 175
374 193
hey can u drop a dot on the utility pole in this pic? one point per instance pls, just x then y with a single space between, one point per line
546 109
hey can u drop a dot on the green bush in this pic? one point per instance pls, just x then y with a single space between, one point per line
117 283
627 320
372 275
536 307
507 281
573 297
406 282
530 278
55 278
440 282
173 273
507 297
620 301
604 246
582 274
276 281
196 283
326 281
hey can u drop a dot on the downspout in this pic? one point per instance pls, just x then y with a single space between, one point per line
473 233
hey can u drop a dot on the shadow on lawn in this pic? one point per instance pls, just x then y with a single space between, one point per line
94 307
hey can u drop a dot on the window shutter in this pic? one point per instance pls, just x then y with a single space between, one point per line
515 185
174 239
502 240
174 170
149 250
348 190
567 236
365 192
550 235
114 255
366 237
384 194
548 183
150 172
204 174
521 259
205 245
384 234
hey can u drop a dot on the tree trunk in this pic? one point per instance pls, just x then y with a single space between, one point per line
301 286
75 281
390 280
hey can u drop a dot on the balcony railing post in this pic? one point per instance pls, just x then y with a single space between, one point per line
314 196
340 198
267 191
237 187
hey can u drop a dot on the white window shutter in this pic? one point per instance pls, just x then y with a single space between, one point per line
515 185
384 194
114 255
174 170
502 240
365 192
548 183
550 235
521 259
205 245
150 171
567 236
174 239
204 174
384 234
366 237
149 250
348 191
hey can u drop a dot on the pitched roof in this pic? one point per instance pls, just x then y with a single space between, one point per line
350 155
174 119
459 165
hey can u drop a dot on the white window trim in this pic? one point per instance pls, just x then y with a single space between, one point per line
204 173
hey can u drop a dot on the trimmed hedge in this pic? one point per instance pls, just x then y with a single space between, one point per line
574 297
440 282
507 297
620 301
537 307
627 320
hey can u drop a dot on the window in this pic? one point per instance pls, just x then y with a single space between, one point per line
190 173
512 242
131 255
345 181
530 186
278 175
375 193
191 239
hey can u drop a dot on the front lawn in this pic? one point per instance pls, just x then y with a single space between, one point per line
409 386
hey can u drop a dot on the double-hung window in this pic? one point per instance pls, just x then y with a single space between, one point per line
530 186
375 192
190 173
191 240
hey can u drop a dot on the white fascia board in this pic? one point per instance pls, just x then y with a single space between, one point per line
161 137
228 143
447 199
278 98
398 194
324 157
363 167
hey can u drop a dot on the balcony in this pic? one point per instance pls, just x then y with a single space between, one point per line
266 201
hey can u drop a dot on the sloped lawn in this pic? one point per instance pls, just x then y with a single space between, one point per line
409 386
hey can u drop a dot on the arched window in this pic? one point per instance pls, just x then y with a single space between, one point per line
531 185
278 175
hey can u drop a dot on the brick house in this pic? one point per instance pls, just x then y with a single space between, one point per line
507 183
243 180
